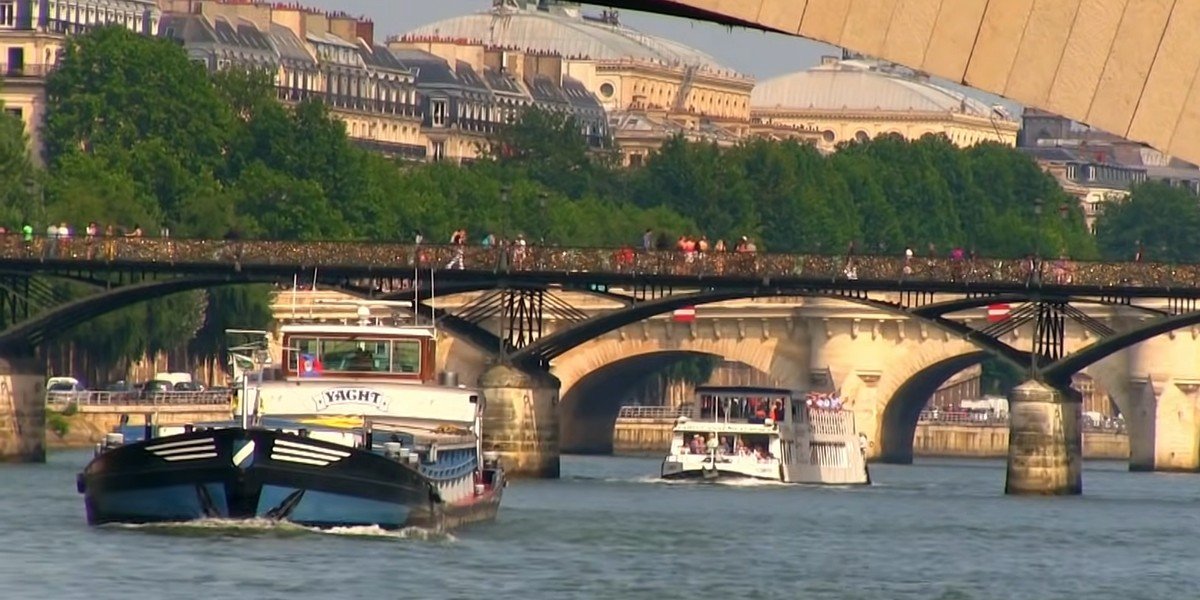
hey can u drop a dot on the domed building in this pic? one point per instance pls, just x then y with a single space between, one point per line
657 81
844 100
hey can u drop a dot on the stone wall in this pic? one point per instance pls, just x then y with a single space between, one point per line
975 441
88 426
633 437
22 414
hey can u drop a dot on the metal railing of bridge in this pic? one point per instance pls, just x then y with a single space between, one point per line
134 398
991 419
553 259
655 412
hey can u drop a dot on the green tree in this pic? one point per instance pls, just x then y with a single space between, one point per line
1161 219
19 180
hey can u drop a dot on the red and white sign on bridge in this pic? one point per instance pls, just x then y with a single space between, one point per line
687 314
998 312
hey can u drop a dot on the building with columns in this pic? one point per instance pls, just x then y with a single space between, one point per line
856 100
651 88
32 36
412 101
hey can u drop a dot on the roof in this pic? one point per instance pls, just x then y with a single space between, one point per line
862 86
564 31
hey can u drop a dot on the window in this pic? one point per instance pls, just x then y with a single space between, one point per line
438 112
406 356
438 150
16 61
606 90
15 112
8 13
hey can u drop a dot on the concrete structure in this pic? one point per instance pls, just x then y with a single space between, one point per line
32 37
88 424
884 365
520 420
991 441
22 412
1045 450
1124 66
856 100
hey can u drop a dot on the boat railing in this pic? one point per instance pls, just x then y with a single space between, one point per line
830 421
655 412
129 398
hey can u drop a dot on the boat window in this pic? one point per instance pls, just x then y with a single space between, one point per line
752 447
746 409
357 356
407 356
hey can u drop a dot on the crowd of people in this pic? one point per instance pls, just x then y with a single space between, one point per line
57 239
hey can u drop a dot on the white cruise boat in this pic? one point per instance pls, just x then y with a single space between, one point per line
765 433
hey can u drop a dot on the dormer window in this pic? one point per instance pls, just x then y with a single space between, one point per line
8 14
438 112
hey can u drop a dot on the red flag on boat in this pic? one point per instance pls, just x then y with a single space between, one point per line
998 312
686 314
310 366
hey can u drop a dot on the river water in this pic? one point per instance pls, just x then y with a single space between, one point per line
607 529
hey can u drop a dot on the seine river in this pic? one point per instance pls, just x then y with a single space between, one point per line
939 530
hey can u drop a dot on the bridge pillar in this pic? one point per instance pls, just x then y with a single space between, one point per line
22 411
1166 423
1045 444
520 420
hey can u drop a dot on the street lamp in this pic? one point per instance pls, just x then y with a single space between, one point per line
543 218
504 190
1037 231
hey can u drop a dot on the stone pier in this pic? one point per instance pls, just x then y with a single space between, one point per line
22 412
1045 446
520 420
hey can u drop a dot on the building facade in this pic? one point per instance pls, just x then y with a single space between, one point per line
1097 167
651 88
401 100
856 100
32 36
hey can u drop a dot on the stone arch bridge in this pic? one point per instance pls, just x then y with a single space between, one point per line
886 363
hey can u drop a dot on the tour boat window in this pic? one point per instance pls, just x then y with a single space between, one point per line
746 409
407 356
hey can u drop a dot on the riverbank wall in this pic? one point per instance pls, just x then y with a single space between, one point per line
88 424
650 436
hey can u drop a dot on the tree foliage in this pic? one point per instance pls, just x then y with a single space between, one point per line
1161 221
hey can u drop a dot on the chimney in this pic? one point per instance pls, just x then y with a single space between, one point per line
366 31
344 26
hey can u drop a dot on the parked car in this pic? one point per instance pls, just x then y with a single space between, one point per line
155 386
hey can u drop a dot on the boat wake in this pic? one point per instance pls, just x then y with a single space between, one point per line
269 528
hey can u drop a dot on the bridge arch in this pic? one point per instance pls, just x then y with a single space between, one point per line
562 341
589 407
902 406
25 336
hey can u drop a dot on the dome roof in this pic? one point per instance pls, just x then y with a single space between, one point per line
857 85
564 30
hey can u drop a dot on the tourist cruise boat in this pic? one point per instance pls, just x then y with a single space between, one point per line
768 434
351 431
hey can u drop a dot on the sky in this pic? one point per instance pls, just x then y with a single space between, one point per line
763 55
